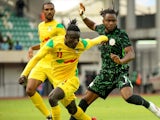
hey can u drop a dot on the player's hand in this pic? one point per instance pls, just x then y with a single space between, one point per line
30 53
22 80
81 9
115 58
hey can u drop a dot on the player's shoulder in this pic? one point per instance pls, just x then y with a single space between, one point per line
41 23
121 30
57 41
58 38
83 42
54 23
57 24
100 26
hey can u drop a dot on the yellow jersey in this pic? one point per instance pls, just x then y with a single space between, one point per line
64 59
47 31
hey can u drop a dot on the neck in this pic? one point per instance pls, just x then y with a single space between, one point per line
46 21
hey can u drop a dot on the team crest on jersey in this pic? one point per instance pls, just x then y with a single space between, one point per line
112 42
49 28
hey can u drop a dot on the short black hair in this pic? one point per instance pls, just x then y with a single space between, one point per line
47 2
108 11
72 26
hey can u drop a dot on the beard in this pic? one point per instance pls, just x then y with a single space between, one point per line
49 17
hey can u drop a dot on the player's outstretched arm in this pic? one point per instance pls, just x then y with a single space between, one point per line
90 24
95 41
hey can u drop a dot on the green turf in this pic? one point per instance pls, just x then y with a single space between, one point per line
114 108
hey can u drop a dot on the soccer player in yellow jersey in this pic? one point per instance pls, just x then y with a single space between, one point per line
47 29
65 51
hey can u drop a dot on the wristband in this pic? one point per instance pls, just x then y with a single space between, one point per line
83 16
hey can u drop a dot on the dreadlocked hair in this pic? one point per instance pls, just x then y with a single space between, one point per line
109 10
72 26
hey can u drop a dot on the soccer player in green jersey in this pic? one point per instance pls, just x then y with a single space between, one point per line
65 51
47 29
115 69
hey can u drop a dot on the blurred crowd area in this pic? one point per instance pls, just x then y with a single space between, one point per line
17 32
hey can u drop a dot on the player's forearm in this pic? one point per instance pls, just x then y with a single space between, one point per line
35 47
128 57
89 23
86 20
98 40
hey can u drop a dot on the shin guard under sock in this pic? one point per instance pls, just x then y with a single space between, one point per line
138 100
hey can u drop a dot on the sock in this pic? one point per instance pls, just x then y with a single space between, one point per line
39 103
138 100
83 104
80 115
56 112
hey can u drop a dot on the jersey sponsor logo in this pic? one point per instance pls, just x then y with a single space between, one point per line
49 28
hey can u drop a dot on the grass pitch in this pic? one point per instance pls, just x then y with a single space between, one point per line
113 108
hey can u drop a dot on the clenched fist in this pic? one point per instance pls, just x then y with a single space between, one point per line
115 58
22 80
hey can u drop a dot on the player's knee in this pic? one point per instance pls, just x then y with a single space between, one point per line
30 91
130 99
56 95
72 109
52 100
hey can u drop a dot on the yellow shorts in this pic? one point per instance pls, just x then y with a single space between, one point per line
69 87
41 73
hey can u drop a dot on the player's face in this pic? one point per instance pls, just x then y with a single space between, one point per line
49 12
72 39
110 22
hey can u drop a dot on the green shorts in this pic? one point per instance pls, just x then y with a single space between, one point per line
104 83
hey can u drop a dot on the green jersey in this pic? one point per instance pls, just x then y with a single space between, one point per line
118 40
111 74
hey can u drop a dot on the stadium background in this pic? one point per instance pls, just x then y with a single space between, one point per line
141 23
